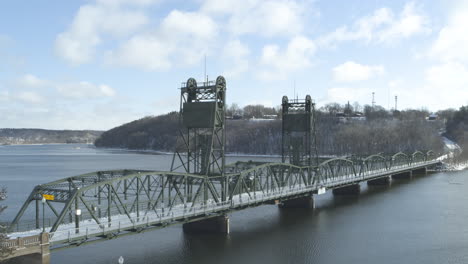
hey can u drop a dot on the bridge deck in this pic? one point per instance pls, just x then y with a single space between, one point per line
89 230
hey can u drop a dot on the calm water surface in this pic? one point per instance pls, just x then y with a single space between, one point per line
423 220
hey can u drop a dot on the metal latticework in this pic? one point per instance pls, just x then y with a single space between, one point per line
200 146
298 132
105 204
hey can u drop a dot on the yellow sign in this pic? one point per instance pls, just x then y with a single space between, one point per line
49 197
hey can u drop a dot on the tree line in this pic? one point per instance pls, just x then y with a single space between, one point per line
457 129
380 131
43 136
3 226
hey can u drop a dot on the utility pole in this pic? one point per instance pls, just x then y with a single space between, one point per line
373 100
396 102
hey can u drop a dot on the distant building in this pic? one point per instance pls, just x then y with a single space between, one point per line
270 116
432 117
350 117
234 117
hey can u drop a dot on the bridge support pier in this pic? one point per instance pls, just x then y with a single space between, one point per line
379 181
422 171
348 190
24 253
403 176
306 202
216 224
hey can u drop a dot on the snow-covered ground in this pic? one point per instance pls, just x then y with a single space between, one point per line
451 146
452 149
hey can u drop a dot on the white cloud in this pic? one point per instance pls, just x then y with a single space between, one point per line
4 96
183 38
30 80
351 71
31 101
443 86
106 90
235 53
277 63
452 40
30 97
82 90
345 94
71 90
265 17
446 83
450 75
78 44
382 26
409 23
143 51
127 2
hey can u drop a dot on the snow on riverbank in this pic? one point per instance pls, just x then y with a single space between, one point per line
452 149
451 146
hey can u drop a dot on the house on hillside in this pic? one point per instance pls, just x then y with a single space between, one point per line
350 117
432 117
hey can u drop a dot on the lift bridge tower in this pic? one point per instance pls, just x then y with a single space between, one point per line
298 132
200 146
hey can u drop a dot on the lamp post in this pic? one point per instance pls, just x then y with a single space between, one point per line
77 220
43 213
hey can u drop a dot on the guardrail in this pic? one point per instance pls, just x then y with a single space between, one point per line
67 233
22 242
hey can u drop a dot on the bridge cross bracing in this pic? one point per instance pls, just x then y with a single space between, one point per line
115 202
199 185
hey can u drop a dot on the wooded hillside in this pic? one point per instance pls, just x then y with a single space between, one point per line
457 128
42 136
382 131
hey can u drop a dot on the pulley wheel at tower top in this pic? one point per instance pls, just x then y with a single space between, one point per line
220 81
191 89
285 99
191 83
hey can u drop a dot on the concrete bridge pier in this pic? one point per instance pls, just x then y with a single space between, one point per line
306 202
403 176
421 171
216 224
380 181
27 252
353 189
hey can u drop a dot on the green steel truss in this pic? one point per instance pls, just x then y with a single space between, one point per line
106 198
298 144
200 147
199 184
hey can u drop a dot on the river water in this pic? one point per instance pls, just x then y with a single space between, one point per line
423 220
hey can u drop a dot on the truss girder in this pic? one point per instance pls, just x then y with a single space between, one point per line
132 194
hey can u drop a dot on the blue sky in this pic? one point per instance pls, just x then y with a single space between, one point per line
95 64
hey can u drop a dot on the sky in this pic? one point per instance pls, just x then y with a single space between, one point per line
96 64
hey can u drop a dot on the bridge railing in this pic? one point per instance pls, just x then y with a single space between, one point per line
89 229
111 199
22 242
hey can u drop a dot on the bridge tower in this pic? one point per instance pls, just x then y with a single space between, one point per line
200 147
298 132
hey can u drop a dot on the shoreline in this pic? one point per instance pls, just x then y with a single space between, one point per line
41 144
172 153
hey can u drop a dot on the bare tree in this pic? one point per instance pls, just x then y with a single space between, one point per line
3 226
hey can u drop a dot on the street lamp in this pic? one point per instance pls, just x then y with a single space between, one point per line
43 214
77 220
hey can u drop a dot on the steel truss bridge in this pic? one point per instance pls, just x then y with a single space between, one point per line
199 187
117 202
